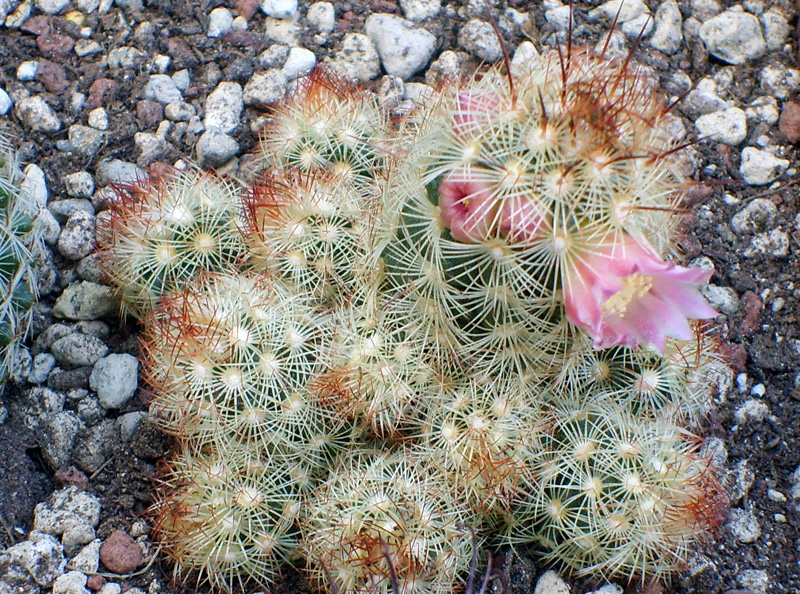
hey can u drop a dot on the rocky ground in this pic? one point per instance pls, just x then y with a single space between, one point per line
94 91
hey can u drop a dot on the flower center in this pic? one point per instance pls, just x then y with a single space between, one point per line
634 286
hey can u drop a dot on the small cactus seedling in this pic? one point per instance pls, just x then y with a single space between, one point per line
383 523
163 231
18 246
617 495
228 518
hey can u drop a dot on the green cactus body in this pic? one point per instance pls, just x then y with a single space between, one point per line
19 244
381 512
507 187
164 231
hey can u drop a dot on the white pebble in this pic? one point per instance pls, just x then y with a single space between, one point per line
220 21
26 71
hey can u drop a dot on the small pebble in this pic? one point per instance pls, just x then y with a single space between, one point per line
220 21
404 49
322 16
759 167
734 37
120 553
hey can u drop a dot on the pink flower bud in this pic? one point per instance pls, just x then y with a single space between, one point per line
522 220
467 206
474 110
623 293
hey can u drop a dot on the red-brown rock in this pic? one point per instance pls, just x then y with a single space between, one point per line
95 583
55 47
100 92
52 76
72 477
120 553
789 123
246 8
38 25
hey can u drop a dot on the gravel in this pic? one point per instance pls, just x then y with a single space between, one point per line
103 92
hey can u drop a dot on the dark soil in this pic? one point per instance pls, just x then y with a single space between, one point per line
760 340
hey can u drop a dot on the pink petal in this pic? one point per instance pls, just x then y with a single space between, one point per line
467 207
474 110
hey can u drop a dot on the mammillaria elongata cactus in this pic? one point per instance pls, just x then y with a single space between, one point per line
468 316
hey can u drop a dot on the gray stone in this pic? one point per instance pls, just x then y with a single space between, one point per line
733 37
5 102
551 583
479 39
265 88
403 48
77 238
162 88
127 424
62 210
85 141
91 269
751 411
57 434
93 447
51 334
559 17
744 525
723 299
182 79
285 31
88 559
214 149
640 26
776 29
299 63
152 145
78 350
774 243
85 301
279 9
79 184
72 582
115 378
180 111
124 57
89 410
419 10
763 109
758 215
755 580
704 98
48 226
26 71
668 35
98 119
322 16
87 6
728 126
356 59
36 115
627 10
34 186
51 6
779 81
759 167
220 21
43 364
120 172
273 57
224 107
87 47
41 557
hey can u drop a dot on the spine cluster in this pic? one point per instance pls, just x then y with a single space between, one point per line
408 332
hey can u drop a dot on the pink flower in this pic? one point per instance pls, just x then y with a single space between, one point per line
467 206
522 220
623 293
474 110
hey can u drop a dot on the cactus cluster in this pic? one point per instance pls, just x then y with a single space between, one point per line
465 321
19 242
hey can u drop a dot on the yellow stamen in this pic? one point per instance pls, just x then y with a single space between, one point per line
634 286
